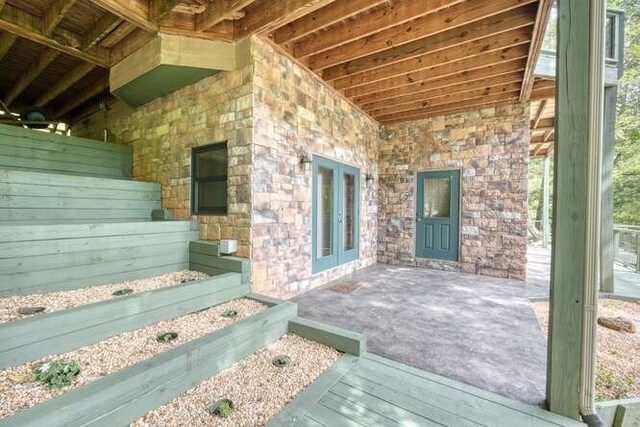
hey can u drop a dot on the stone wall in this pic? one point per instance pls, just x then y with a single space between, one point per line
162 133
296 113
491 148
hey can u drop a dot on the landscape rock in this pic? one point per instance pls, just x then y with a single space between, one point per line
617 324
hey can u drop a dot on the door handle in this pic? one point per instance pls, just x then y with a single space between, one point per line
418 218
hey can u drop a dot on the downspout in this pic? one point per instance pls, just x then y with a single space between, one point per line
592 242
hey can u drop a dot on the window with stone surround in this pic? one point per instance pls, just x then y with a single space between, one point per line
209 165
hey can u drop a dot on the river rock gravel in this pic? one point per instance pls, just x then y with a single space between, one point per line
19 390
259 390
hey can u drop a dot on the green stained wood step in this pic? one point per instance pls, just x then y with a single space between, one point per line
205 247
7 131
338 338
123 397
357 412
31 338
10 176
72 231
71 276
296 409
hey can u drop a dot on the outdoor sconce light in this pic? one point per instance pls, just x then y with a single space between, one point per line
368 178
305 161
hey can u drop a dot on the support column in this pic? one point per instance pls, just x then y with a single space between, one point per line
608 155
545 201
576 208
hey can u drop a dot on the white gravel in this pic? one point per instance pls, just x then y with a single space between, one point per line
258 389
62 300
19 391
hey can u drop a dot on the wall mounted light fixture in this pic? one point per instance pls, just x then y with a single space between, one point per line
368 178
305 161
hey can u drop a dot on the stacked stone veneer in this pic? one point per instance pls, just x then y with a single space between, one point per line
296 113
162 133
491 148
271 112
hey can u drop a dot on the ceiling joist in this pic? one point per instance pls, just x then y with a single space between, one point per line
62 85
328 15
25 25
81 97
56 12
425 26
219 11
27 78
542 18
6 41
134 11
446 50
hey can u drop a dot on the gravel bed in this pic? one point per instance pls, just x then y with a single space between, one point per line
62 300
618 353
257 388
19 390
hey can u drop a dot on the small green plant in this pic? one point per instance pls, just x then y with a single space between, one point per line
122 292
57 374
281 361
28 311
167 336
222 408
231 313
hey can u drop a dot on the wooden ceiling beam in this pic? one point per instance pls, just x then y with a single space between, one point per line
545 124
397 13
27 78
219 11
118 34
542 18
442 87
134 11
81 97
28 26
536 120
183 24
542 93
489 84
451 54
270 14
158 9
463 77
70 78
458 107
106 24
128 45
431 73
321 18
425 26
509 88
6 41
54 15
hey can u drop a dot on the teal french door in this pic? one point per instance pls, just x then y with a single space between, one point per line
335 213
437 215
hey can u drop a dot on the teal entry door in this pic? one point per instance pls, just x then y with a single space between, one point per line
437 215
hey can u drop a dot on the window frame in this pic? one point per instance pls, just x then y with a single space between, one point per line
196 180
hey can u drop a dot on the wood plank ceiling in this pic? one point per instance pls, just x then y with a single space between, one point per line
397 60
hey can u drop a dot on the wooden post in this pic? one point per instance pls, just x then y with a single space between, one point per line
576 208
637 252
608 155
545 202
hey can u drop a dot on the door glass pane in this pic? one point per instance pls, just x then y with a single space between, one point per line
436 197
349 211
324 221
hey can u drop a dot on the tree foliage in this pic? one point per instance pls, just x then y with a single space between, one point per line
626 172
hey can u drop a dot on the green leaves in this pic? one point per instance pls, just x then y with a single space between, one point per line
57 374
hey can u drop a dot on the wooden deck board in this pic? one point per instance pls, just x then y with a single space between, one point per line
371 390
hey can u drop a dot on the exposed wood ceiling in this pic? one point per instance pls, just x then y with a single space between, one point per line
402 60
397 60
543 112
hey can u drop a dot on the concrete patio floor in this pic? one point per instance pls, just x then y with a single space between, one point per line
475 329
